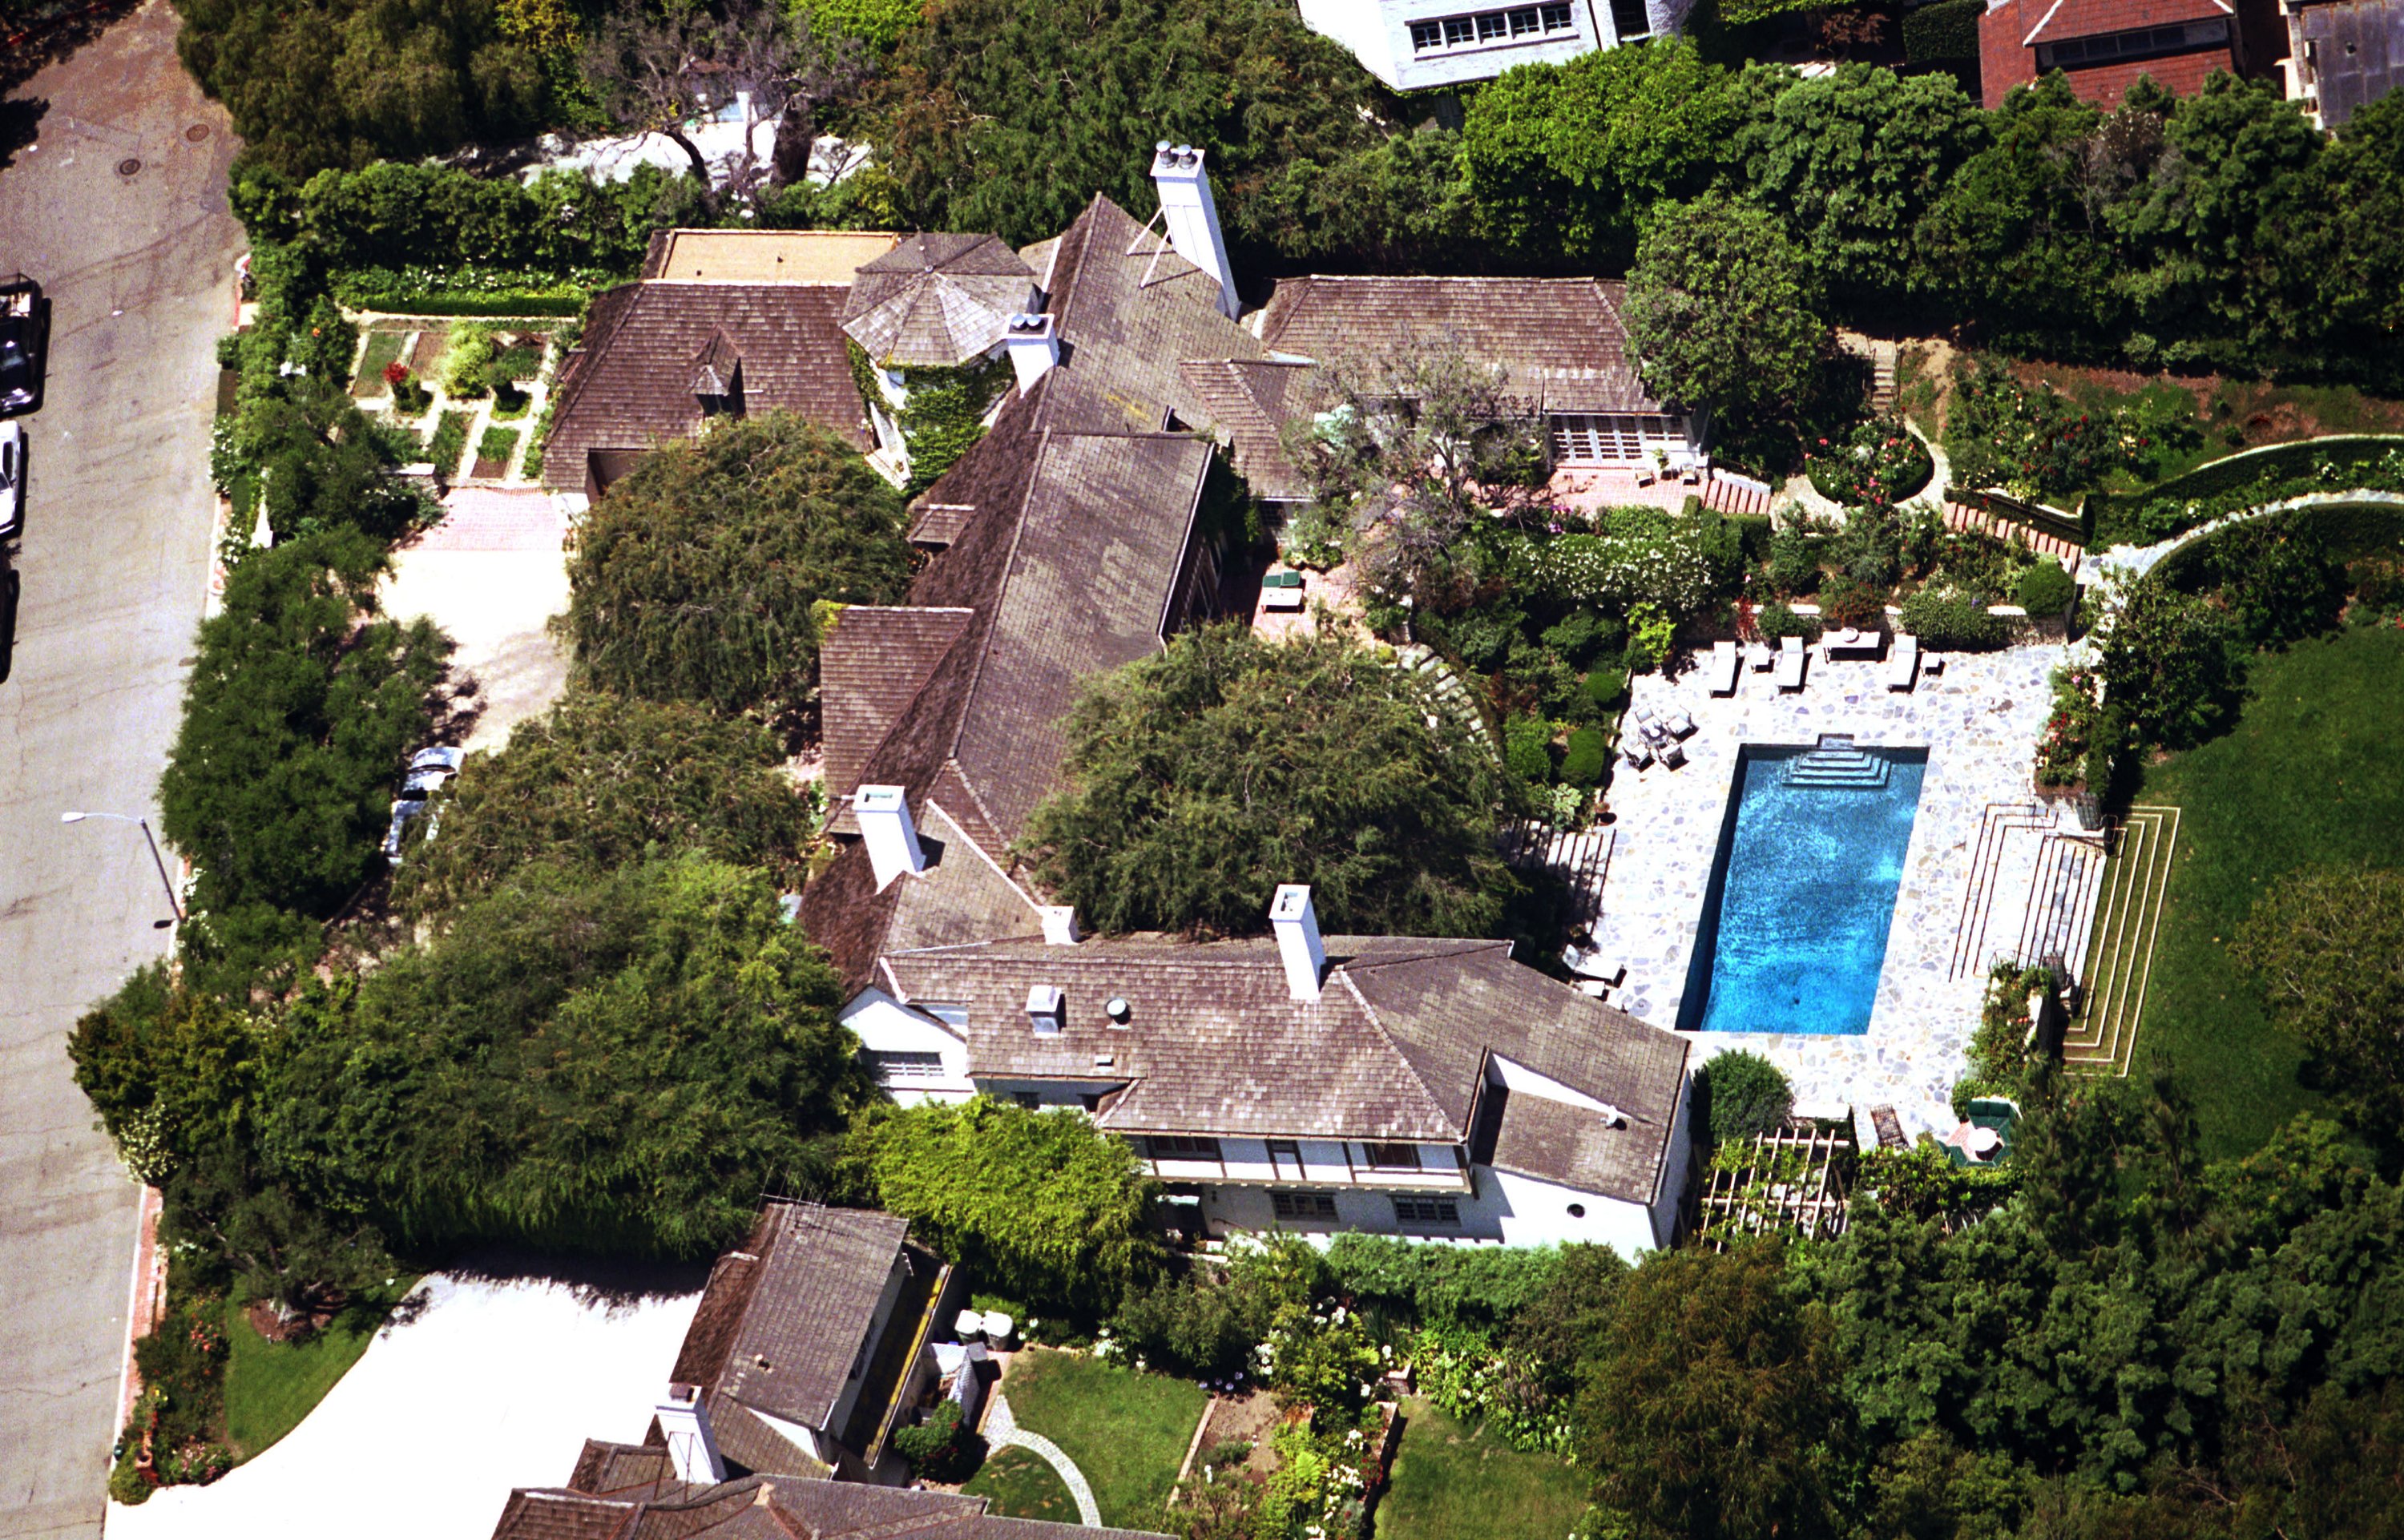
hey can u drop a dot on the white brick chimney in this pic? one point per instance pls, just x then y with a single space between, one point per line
1047 1009
885 826
692 1448
1298 939
1034 348
1059 924
1192 215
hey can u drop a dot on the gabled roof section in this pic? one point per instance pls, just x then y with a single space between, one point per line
873 661
1251 401
1559 340
936 300
631 386
782 1320
714 366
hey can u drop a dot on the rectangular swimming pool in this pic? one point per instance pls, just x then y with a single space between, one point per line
1802 890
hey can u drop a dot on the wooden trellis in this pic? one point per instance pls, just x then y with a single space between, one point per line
1796 1180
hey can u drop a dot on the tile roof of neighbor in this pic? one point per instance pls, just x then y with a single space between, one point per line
2358 52
1394 1048
2063 19
824 256
630 386
2006 60
936 300
771 1508
1559 340
781 1322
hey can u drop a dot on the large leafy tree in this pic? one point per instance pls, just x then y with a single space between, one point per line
597 782
698 575
1712 1405
1850 162
2328 948
1009 117
1198 781
302 709
1722 311
1565 162
1043 1202
619 1062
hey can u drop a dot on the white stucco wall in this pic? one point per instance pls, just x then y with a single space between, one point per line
1378 34
1504 1208
884 1024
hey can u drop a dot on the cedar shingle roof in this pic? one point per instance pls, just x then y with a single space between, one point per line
936 300
1251 401
764 1508
1559 340
870 665
1396 1046
631 386
781 1322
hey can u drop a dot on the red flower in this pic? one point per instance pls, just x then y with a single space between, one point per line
396 373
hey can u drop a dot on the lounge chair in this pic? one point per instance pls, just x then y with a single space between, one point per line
1760 656
1722 674
1903 663
1591 963
1932 664
1790 664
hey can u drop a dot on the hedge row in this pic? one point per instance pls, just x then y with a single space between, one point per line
2347 530
1945 30
2180 504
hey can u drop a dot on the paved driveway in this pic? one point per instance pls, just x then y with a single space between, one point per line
494 1385
492 574
138 265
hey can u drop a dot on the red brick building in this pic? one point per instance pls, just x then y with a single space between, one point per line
2104 46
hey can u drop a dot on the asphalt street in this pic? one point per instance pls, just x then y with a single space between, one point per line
120 211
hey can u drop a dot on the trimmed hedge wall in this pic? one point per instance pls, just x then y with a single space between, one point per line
1945 30
2178 505
2351 530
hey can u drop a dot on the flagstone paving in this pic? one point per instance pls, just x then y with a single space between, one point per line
1980 723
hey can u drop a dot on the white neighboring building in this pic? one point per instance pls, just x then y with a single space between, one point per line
1415 45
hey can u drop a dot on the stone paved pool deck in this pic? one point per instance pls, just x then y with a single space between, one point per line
1980 723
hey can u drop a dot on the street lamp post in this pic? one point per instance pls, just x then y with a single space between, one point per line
156 859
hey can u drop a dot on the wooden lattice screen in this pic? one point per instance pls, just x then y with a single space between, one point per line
1796 1180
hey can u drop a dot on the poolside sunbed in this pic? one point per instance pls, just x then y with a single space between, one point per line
1721 672
1760 657
1790 664
1903 663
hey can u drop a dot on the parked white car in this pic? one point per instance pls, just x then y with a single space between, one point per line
430 770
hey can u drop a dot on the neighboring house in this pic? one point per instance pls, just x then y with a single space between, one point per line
809 1340
633 1492
1560 341
2103 47
2342 55
1412 45
722 323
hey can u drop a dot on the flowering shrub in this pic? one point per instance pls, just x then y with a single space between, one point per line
1322 1357
2032 441
2062 747
1475 1382
1321 1488
1665 560
1878 462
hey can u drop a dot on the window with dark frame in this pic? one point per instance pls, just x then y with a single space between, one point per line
1302 1205
1028 1099
1392 1157
1628 19
1427 1210
1182 1147
902 1068
1519 23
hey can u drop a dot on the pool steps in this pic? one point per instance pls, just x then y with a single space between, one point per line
1836 764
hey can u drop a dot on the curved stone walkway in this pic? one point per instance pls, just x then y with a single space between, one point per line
1002 1430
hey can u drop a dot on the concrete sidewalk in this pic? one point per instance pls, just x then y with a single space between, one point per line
492 1385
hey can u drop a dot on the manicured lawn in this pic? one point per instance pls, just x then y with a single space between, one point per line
1127 1431
1023 1485
1452 1484
270 1386
383 348
2310 773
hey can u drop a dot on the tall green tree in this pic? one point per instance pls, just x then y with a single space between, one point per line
1712 1406
1722 312
594 783
2328 946
1198 781
301 710
699 575
1043 1202
614 1062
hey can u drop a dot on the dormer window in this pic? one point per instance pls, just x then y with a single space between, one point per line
718 376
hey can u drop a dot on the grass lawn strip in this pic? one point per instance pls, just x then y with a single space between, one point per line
382 347
1452 1484
1127 1431
2309 775
1022 1484
270 1386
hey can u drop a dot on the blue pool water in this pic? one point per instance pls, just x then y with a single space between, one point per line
1802 890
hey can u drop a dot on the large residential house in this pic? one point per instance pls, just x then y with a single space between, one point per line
1414 45
2103 47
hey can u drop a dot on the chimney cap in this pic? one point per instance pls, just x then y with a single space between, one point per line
1292 901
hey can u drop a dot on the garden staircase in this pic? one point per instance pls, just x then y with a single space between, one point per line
2119 960
1580 858
1964 519
1450 694
2002 833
